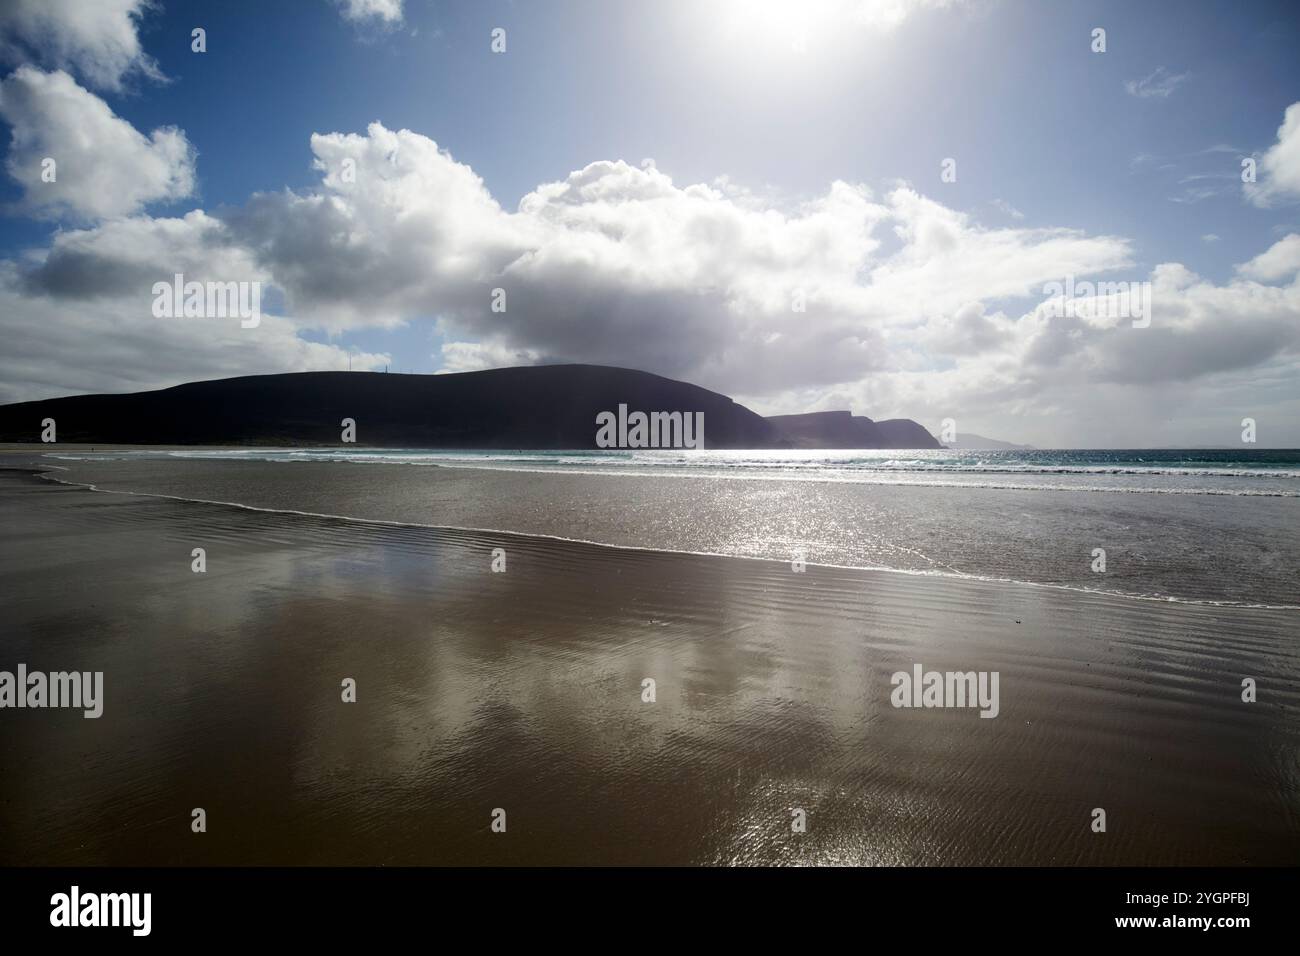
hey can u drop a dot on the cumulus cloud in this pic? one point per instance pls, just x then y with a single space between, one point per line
122 259
891 303
119 346
1211 354
397 228
1280 261
1197 329
1278 174
78 316
96 39
102 166
706 281
967 331
370 11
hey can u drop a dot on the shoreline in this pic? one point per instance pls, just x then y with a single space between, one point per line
956 576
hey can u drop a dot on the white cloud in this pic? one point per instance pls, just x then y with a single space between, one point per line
361 11
123 258
119 346
1279 167
474 356
699 282
397 229
1159 84
1198 330
1279 261
103 166
912 308
1062 382
90 295
96 39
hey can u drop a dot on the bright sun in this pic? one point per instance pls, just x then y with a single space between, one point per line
772 25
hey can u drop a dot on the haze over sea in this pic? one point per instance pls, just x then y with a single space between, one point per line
1204 526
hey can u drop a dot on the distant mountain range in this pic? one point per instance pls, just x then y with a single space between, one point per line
542 406
969 441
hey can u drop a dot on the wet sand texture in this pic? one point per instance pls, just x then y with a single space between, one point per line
523 691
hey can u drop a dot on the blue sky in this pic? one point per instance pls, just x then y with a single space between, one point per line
1134 152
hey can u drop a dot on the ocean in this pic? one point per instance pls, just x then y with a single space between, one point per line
1266 472
1199 526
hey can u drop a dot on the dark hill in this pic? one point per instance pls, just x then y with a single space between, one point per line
846 430
545 406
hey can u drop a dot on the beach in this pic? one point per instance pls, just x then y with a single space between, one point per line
523 690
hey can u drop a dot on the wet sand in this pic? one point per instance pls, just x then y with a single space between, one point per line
523 690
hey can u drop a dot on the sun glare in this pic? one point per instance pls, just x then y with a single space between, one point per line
772 26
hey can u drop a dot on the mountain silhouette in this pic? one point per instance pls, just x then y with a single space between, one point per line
543 407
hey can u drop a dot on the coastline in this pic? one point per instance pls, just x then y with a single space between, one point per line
1233 552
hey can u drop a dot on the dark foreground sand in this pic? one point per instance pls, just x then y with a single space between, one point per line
522 691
